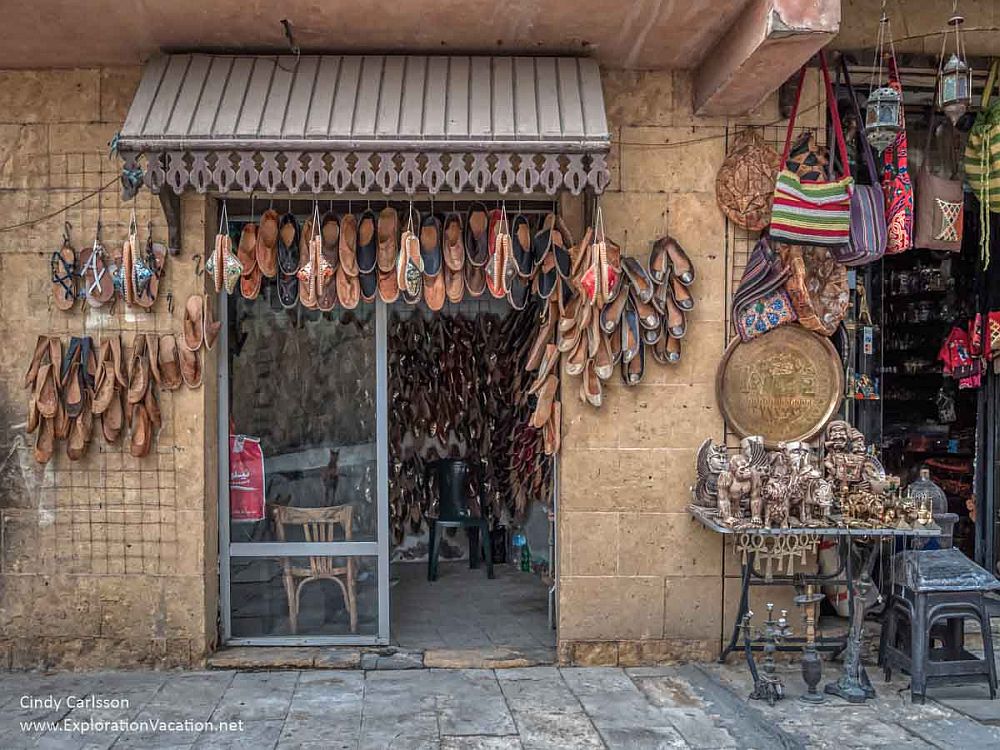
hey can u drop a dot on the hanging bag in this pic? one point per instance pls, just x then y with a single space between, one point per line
761 302
813 213
938 222
982 159
868 229
896 185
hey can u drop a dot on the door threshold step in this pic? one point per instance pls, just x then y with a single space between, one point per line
258 658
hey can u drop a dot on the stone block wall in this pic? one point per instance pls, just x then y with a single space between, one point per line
107 561
640 582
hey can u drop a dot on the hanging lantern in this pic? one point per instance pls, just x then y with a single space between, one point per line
884 108
884 117
954 89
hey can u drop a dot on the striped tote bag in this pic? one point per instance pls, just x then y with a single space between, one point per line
982 153
807 212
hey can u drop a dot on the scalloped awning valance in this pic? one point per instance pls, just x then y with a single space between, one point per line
330 123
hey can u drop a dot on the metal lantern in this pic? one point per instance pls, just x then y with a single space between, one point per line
954 90
884 117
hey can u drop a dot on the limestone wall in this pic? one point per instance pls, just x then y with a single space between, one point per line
108 561
640 582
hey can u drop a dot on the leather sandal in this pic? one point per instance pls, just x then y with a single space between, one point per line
551 436
168 364
519 291
649 317
475 279
675 321
267 244
306 233
547 276
329 299
142 431
611 313
152 405
576 360
46 393
388 289
430 245
368 242
548 364
454 282
499 250
98 284
521 246
659 261
112 419
63 275
680 294
148 267
212 326
631 342
190 363
541 242
288 244
562 240
454 247
591 390
650 336
330 233
138 371
434 291
288 290
41 351
348 249
368 286
250 285
615 347
667 349
477 240
546 395
193 325
45 441
388 231
153 354
61 423
680 263
105 384
632 370
246 250
348 288
641 283
541 343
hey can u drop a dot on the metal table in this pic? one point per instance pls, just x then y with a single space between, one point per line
844 575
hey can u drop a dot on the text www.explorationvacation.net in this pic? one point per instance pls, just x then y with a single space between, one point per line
137 726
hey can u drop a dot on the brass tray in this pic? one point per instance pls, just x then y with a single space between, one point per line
785 385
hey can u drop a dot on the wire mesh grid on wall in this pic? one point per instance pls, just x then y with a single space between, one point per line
108 513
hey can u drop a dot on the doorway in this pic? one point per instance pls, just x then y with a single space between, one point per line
337 552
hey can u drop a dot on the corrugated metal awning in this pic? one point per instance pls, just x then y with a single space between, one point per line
357 123
332 102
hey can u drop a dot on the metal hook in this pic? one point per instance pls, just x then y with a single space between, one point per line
198 271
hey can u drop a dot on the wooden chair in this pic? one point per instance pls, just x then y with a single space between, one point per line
318 525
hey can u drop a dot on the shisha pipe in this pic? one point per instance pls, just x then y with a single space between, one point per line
812 665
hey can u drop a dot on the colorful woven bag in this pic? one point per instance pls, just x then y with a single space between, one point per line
982 160
813 213
896 185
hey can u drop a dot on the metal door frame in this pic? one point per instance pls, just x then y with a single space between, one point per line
379 548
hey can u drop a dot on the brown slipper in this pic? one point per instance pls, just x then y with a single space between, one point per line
194 323
155 256
45 441
388 230
454 282
105 383
388 289
348 249
190 363
153 353
454 248
546 395
680 263
41 349
434 291
152 405
138 370
142 433
250 285
543 339
212 326
330 232
246 253
551 433
267 244
679 291
348 288
549 361
33 416
112 420
329 299
475 280
61 423
63 270
591 390
576 358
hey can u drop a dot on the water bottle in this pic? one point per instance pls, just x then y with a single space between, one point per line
525 557
518 545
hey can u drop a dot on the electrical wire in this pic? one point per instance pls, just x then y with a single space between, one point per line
64 209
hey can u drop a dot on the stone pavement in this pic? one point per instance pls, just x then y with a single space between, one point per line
685 706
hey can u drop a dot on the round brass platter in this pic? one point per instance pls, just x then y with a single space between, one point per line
784 385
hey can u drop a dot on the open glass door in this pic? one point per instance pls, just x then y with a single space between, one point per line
311 566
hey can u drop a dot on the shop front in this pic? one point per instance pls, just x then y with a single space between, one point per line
417 351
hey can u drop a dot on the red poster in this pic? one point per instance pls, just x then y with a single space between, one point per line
246 479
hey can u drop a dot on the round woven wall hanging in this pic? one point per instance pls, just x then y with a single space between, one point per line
817 285
744 186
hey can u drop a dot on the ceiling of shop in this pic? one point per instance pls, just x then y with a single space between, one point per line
645 34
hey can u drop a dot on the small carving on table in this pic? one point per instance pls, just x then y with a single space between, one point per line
767 685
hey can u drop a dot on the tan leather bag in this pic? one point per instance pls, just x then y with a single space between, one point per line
940 201
817 286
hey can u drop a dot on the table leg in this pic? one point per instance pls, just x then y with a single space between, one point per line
854 685
742 609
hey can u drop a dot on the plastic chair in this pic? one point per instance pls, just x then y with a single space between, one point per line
454 513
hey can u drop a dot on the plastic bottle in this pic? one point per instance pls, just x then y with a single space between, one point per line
525 557
517 543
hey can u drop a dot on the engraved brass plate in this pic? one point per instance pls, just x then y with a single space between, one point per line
785 385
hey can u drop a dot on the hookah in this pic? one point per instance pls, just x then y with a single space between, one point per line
766 683
812 665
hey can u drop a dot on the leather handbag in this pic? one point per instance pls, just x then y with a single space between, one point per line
813 212
868 229
817 287
896 185
938 221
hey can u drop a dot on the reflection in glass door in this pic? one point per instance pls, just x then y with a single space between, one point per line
311 565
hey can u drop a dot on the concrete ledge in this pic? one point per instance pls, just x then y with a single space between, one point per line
251 658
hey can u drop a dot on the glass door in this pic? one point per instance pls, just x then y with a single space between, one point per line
306 396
